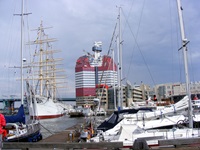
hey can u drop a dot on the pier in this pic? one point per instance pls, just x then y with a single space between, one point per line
62 146
68 140
178 144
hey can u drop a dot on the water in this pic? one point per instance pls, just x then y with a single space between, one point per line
51 126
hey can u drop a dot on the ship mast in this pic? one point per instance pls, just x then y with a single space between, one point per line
21 51
120 89
22 19
41 59
114 79
184 47
44 64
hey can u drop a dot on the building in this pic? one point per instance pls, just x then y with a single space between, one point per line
92 70
113 95
176 91
102 94
167 91
129 94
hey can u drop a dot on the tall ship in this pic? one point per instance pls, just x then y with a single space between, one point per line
44 79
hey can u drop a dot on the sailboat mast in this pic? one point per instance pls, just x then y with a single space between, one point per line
22 19
184 47
114 79
120 91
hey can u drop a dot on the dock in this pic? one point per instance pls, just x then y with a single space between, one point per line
69 140
178 144
62 146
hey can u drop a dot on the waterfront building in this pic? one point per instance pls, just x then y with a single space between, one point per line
91 70
102 94
131 93
176 91
113 96
165 91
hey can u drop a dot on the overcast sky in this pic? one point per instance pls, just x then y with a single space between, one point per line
150 34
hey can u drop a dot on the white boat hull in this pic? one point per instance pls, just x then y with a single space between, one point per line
45 108
129 133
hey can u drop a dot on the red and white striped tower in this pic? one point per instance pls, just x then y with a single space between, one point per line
86 78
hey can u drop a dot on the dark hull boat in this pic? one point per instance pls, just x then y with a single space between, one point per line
20 131
117 116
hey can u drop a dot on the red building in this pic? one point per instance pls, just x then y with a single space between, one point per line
91 70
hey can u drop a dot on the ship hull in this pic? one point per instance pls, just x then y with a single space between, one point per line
46 108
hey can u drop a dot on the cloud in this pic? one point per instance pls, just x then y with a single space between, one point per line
152 55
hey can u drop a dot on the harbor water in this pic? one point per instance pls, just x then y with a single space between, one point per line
55 125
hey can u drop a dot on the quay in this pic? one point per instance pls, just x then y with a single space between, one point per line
179 144
69 140
64 141
61 145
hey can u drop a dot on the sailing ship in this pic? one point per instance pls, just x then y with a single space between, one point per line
45 77
17 127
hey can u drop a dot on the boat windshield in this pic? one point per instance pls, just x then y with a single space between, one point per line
112 118
121 116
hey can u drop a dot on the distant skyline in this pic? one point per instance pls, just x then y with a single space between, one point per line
150 34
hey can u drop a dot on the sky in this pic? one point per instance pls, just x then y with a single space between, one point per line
149 29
